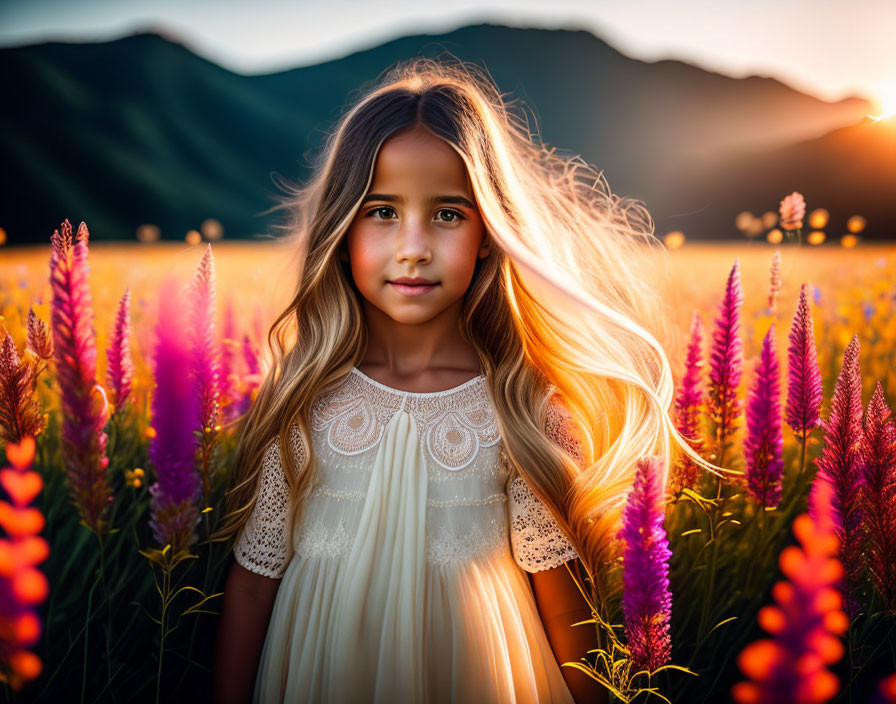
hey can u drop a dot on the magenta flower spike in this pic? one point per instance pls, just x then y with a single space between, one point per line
206 355
84 407
840 464
764 442
726 364
879 496
172 450
688 401
804 389
646 600
120 367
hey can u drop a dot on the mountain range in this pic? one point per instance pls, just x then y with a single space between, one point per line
143 130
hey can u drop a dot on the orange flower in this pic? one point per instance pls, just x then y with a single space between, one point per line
22 586
790 667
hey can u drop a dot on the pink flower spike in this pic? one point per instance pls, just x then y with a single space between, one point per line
85 411
764 442
792 210
804 389
725 365
774 284
688 401
120 368
206 355
840 465
879 496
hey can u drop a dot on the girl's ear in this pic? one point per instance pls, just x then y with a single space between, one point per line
486 248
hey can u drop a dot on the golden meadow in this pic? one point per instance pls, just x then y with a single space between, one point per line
116 625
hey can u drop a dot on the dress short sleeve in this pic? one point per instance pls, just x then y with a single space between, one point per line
261 546
536 540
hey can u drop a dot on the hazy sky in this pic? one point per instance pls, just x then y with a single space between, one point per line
830 48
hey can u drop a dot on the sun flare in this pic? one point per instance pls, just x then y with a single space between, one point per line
885 102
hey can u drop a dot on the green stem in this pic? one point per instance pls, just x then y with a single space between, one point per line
208 568
711 576
108 599
86 643
804 437
165 581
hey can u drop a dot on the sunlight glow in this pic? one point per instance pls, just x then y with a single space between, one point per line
885 101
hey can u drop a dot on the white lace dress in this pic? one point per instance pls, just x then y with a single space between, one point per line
407 582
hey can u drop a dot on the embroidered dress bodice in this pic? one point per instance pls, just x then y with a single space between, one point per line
409 518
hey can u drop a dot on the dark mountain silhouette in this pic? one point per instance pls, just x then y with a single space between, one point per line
849 171
142 130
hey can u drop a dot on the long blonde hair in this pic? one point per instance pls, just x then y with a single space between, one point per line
564 306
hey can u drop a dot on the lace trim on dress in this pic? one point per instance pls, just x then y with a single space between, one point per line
261 546
319 541
480 541
452 424
537 541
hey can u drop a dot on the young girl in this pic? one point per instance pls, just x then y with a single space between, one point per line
462 385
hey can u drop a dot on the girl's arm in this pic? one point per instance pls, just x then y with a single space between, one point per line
245 615
560 604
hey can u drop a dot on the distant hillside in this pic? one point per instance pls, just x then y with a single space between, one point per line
141 130
849 171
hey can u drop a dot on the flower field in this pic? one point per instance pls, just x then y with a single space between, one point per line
124 368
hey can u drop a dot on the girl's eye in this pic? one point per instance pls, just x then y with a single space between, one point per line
381 208
455 215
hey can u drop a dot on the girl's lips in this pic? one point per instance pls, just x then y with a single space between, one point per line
412 289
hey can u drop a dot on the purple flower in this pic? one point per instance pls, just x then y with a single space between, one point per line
120 368
174 413
764 442
84 407
646 600
804 390
840 464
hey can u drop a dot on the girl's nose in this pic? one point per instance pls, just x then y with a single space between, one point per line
412 244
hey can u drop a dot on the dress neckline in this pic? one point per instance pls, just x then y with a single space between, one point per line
417 394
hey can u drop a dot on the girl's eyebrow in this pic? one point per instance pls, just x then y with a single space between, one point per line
455 200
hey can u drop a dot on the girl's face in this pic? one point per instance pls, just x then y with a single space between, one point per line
419 220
